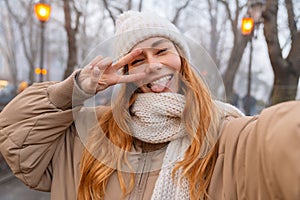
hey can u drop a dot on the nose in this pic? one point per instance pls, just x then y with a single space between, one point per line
153 66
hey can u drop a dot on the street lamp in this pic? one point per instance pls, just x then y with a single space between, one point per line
42 11
253 17
249 23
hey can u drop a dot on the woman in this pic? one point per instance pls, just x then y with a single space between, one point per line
164 138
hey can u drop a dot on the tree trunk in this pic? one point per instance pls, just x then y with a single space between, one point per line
284 87
72 44
286 71
239 45
214 34
233 65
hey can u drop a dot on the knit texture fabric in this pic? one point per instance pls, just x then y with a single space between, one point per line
157 119
133 27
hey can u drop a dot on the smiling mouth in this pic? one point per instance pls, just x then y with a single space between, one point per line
162 81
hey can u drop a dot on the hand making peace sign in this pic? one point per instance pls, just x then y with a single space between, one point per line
102 73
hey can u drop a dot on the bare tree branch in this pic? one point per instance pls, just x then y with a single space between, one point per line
229 14
8 50
22 24
16 18
291 17
78 15
271 32
178 11
235 20
109 11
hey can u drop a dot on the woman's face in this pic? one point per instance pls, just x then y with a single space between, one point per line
161 62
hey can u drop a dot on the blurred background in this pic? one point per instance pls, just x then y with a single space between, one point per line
254 43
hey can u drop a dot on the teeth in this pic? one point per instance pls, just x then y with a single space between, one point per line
162 80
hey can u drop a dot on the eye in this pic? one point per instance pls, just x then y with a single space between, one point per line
136 61
161 51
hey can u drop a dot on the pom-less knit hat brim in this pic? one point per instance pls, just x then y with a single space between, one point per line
134 27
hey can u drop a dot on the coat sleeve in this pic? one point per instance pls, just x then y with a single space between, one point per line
259 157
31 126
278 147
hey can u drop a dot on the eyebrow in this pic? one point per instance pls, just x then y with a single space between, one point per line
158 42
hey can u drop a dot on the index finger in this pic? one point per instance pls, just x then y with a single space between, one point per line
132 77
127 58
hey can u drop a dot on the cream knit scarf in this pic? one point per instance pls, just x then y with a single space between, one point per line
157 119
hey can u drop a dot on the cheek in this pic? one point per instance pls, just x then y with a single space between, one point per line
175 62
135 70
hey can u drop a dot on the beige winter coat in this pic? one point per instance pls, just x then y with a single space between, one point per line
259 157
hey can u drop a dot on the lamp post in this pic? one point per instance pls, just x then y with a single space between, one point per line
249 23
42 11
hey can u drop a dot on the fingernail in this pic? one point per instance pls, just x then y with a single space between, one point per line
137 50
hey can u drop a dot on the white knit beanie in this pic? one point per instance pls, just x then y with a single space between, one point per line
133 27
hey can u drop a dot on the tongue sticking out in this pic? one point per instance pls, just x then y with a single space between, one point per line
157 88
160 85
